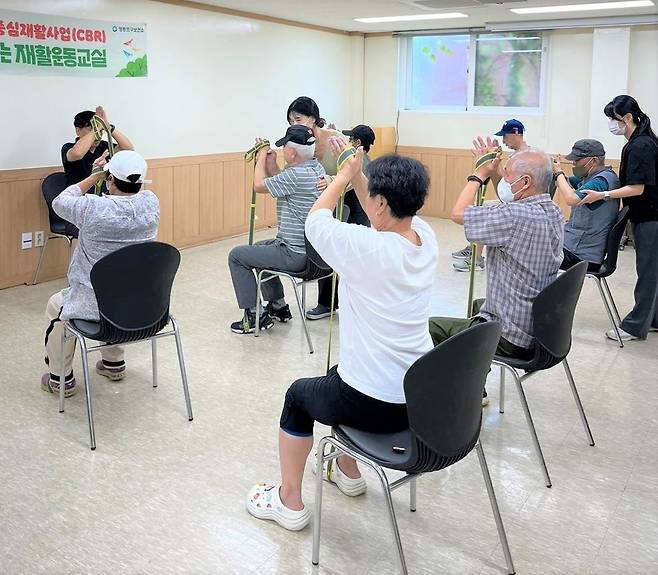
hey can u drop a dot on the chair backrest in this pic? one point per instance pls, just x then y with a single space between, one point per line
133 288
609 264
552 314
52 186
443 391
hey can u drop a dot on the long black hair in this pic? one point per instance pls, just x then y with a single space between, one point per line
624 104
306 107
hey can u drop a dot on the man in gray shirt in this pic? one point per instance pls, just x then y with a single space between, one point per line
123 217
295 191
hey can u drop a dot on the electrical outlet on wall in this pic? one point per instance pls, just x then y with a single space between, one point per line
26 240
38 239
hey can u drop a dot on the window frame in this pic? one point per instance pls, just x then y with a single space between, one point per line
405 80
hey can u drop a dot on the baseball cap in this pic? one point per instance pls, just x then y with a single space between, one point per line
363 133
297 134
511 127
585 149
127 165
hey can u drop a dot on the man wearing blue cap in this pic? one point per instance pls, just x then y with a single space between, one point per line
512 133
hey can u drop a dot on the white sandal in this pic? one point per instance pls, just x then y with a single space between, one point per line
264 502
347 485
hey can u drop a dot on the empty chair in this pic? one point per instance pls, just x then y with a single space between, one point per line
443 391
316 269
133 306
608 267
52 186
552 314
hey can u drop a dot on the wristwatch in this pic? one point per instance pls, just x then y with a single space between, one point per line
474 178
556 175
606 195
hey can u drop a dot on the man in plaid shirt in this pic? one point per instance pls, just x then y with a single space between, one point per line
523 235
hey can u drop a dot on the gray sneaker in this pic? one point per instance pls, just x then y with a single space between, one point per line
465 265
318 312
462 254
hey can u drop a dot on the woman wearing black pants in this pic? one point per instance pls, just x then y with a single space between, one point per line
638 175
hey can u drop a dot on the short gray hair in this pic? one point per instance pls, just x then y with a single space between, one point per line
304 152
536 164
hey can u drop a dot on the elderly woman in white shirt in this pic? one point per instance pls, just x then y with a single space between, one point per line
387 272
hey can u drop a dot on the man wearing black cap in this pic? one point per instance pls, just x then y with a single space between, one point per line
512 132
363 136
586 232
295 191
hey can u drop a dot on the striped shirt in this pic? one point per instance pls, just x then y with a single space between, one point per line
524 252
295 190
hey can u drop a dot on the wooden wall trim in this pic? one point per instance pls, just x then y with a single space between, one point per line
203 199
252 16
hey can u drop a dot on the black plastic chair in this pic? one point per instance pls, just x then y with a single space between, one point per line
316 269
133 289
52 186
552 314
443 390
608 267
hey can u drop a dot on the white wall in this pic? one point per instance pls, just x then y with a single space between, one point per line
215 82
566 116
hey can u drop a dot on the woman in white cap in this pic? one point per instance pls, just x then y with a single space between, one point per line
125 216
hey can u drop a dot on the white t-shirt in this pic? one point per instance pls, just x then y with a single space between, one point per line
384 292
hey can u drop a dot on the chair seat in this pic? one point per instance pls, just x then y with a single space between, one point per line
378 447
89 329
525 364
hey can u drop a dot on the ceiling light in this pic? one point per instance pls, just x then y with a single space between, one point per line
584 7
412 18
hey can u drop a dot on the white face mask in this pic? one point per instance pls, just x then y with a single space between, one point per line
616 127
504 190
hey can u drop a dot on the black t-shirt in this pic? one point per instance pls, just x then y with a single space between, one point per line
81 169
639 165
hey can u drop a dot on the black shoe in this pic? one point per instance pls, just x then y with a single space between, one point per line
248 323
281 315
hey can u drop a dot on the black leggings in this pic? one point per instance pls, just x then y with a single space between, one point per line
329 400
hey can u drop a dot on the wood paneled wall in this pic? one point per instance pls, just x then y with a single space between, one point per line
202 199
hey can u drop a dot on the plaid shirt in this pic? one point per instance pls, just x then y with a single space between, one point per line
524 251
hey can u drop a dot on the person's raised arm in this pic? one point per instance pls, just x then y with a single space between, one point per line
350 172
121 139
467 196
562 182
81 147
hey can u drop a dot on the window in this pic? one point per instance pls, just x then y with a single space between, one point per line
479 72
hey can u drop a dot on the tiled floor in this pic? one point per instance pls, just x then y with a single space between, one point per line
161 495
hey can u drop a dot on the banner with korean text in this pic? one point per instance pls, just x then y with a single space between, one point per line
46 45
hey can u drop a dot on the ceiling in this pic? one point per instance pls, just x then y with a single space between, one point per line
341 13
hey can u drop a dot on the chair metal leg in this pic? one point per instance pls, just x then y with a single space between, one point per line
412 495
62 377
611 299
43 251
181 364
606 305
154 361
531 426
85 376
579 405
303 314
391 513
317 511
501 396
494 507
304 298
259 278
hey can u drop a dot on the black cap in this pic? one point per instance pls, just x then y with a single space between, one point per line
297 134
585 149
363 133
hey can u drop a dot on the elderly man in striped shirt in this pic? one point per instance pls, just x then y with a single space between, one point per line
295 191
523 236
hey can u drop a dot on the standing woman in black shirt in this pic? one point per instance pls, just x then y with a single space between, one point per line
638 173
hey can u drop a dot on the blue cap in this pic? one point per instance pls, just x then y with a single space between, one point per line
511 127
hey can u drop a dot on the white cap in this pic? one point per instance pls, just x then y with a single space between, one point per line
127 163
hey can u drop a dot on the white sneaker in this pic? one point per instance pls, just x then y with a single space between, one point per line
465 265
625 336
264 502
347 485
